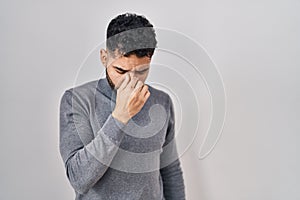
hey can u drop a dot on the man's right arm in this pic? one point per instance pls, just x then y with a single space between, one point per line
86 164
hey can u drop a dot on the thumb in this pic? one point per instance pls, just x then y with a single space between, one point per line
123 82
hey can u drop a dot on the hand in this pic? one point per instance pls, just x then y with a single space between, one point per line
132 94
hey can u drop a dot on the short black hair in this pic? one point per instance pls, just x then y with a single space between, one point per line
140 41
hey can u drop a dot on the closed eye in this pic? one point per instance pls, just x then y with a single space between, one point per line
120 70
143 71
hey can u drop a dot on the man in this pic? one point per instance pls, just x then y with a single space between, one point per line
117 133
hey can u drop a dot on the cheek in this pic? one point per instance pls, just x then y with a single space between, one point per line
144 76
114 76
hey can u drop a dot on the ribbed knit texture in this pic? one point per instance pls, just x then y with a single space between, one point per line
106 159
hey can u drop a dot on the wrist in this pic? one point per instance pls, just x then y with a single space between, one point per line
122 118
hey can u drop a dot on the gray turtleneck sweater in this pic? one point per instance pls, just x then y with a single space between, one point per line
106 159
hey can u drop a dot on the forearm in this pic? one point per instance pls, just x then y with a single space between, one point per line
173 182
90 163
86 164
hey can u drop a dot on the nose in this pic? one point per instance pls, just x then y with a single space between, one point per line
132 74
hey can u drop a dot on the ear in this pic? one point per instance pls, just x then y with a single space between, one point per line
104 57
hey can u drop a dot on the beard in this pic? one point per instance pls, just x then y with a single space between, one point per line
112 85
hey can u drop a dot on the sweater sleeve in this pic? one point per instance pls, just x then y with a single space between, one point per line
171 172
85 164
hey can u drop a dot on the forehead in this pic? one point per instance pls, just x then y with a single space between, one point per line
130 62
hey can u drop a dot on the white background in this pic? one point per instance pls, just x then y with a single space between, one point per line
255 45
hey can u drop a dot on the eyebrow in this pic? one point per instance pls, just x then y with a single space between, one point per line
120 69
123 70
142 70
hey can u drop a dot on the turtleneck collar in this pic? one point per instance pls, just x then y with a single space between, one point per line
104 87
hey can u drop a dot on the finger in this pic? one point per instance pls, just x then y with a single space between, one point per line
125 82
144 90
143 98
138 86
132 82
118 84
147 95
